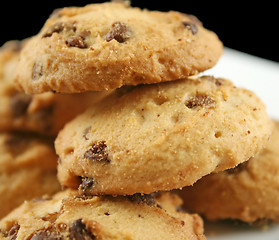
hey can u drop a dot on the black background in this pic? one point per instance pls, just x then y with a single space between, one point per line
251 28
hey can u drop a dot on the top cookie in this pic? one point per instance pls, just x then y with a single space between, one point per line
104 46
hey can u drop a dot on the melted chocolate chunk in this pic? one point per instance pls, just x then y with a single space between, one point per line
86 183
191 26
19 104
97 152
143 198
199 101
219 82
46 234
119 31
58 28
76 41
13 232
78 231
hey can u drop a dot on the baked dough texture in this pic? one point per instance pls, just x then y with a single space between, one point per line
68 215
44 113
248 192
104 46
161 137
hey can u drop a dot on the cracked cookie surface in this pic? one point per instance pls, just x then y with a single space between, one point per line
104 46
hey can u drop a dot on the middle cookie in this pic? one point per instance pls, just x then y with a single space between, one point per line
161 137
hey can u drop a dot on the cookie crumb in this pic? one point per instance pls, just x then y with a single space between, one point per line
76 41
97 152
78 231
87 183
200 100
45 234
13 231
58 28
120 32
143 198
190 26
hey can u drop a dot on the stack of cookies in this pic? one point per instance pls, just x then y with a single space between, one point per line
150 123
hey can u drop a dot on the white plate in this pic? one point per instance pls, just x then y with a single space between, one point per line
262 77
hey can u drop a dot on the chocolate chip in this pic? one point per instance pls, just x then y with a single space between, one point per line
190 26
37 71
76 41
200 100
119 31
97 152
19 104
86 183
194 20
58 28
219 82
78 231
13 231
143 198
46 234
83 197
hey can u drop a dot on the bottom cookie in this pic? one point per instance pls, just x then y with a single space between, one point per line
248 192
71 216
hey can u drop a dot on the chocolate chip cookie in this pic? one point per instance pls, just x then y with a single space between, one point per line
71 216
104 46
28 169
161 137
248 192
44 113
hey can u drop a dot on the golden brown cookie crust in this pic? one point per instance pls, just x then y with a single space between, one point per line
69 216
248 192
104 46
161 136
